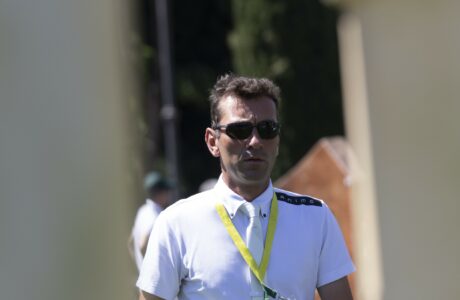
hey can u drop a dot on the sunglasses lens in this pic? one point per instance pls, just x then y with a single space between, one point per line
239 131
242 130
268 129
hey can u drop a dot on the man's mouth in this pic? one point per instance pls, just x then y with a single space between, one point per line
253 159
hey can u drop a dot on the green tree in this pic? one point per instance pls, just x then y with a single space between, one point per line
295 43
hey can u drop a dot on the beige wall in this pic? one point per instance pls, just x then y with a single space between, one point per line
64 175
408 100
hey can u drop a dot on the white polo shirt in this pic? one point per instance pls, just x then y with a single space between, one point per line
190 253
143 224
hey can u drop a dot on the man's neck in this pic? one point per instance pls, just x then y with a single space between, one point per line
248 192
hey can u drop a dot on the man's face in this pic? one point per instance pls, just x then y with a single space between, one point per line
248 162
163 198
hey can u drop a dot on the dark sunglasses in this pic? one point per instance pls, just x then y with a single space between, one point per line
242 130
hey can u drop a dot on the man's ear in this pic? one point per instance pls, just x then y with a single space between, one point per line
210 137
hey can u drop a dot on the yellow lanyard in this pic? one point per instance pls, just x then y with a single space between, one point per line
259 271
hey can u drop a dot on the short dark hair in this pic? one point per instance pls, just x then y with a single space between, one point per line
242 87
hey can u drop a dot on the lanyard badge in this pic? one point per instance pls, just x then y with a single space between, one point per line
258 271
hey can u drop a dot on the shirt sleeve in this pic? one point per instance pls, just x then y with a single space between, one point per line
143 224
161 268
334 261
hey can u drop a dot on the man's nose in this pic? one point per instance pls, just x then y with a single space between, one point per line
254 140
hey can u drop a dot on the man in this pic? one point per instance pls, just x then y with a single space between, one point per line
245 239
159 192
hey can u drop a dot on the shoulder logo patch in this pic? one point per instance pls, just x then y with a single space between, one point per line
298 200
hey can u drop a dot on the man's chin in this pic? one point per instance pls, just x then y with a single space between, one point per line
255 178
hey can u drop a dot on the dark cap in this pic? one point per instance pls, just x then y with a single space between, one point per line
153 181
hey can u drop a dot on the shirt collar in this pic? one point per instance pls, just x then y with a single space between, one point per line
232 201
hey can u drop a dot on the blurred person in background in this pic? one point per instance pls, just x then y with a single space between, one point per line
211 245
159 193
